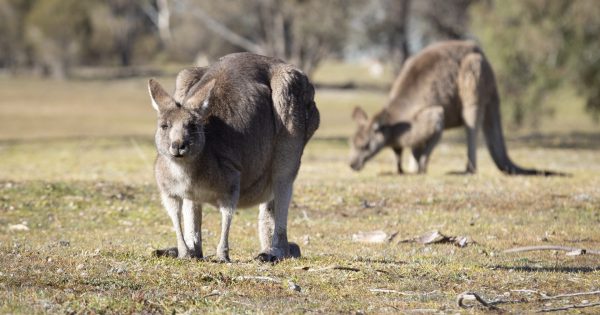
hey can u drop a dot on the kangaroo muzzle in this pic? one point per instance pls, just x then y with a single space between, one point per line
178 148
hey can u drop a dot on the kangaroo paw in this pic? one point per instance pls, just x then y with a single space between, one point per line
167 252
295 250
275 254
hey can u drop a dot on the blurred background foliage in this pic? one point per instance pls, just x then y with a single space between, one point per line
537 47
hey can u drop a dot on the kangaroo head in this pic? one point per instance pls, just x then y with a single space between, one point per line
370 137
180 128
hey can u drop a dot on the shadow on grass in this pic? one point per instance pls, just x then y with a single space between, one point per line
562 269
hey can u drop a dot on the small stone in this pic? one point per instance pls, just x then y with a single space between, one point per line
582 197
46 304
306 239
18 227
293 286
119 270
79 267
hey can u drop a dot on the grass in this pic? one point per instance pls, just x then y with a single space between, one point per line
76 171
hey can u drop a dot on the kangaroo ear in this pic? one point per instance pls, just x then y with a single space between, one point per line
160 98
186 79
359 115
200 98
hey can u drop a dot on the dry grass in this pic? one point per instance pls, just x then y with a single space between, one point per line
94 217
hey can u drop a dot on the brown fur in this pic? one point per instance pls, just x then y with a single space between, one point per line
447 85
235 134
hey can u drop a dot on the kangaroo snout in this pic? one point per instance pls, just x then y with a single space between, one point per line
356 165
178 148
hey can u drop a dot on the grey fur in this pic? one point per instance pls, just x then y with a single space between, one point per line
447 85
233 136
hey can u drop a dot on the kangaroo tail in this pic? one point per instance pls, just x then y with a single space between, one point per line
492 129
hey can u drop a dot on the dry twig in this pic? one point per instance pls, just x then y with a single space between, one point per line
391 291
567 307
375 290
257 278
332 267
436 237
570 250
560 296
472 295
214 293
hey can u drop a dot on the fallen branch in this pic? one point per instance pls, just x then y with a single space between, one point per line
567 307
337 268
436 237
376 290
374 237
473 296
544 297
572 251
390 291
216 293
560 296
333 267
257 278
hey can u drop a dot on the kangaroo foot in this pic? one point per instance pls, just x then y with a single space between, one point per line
173 252
167 252
223 257
277 254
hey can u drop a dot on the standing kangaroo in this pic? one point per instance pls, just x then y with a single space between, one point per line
232 135
447 85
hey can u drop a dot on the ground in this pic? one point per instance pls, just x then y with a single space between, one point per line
80 217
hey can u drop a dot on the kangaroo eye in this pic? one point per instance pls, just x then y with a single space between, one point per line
164 126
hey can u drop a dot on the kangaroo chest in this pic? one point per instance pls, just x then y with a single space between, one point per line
184 185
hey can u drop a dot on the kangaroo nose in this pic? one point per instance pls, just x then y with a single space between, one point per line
356 165
178 148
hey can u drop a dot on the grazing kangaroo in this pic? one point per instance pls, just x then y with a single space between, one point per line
232 135
447 85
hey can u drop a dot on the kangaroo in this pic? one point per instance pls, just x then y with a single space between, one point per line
232 135
447 85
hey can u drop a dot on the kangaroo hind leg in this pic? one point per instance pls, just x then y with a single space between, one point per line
471 92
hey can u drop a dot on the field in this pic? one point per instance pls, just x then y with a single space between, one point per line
80 217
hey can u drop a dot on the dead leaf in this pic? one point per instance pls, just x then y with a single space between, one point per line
436 237
18 227
373 237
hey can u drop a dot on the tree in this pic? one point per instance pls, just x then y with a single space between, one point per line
302 32
444 20
386 25
117 27
13 47
57 30
537 46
